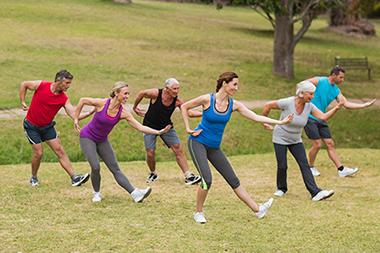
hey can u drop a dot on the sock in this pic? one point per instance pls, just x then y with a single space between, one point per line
73 177
188 174
341 168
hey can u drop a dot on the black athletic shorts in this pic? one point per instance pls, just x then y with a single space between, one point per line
315 129
36 134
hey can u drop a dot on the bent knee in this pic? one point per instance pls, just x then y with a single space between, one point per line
329 143
206 184
234 182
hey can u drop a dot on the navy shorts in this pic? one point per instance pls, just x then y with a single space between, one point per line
36 134
170 138
315 129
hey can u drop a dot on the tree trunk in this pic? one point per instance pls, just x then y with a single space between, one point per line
283 47
346 20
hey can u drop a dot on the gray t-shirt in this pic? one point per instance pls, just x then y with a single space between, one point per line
291 133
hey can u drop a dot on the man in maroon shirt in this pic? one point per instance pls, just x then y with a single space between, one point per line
47 100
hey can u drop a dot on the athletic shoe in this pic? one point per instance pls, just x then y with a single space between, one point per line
324 194
278 193
314 171
139 195
152 177
80 179
192 179
263 209
34 181
347 172
96 197
199 217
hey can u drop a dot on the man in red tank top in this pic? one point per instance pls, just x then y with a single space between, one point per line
47 100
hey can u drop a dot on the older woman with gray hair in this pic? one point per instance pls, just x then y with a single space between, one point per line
289 137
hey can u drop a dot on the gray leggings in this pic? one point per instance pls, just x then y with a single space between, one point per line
91 150
201 153
298 152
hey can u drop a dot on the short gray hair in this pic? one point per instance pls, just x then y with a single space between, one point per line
170 82
305 86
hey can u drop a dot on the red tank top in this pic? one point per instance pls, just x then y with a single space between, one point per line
45 105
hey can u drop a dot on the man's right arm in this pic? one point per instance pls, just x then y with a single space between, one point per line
27 85
314 80
149 93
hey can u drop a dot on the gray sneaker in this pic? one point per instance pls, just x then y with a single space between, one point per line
80 179
34 181
152 177
192 179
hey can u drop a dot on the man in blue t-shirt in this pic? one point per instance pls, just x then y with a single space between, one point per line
318 131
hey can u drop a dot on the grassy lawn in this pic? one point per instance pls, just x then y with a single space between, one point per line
144 43
356 129
56 217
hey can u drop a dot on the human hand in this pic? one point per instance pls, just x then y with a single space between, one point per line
268 126
139 111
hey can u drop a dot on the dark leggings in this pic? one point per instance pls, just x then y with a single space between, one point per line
298 152
91 150
201 154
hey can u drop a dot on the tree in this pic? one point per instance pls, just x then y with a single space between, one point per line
283 14
347 19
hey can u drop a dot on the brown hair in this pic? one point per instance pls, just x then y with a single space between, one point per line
225 77
117 87
336 70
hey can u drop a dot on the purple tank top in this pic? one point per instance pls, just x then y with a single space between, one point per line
101 124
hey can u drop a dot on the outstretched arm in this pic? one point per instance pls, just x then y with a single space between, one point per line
149 93
243 110
204 101
138 126
350 105
325 116
27 85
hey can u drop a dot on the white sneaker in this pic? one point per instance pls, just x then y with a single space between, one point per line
96 197
139 195
263 209
314 171
278 193
324 194
199 217
347 172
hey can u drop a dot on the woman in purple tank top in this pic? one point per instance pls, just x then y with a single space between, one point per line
94 138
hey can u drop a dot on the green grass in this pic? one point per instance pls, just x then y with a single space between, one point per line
144 43
357 129
56 217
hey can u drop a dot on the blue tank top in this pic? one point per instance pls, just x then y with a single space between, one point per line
213 124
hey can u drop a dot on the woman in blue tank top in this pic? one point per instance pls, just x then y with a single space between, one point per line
204 141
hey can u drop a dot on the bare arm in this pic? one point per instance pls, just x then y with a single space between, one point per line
192 113
27 85
350 105
204 101
138 126
149 93
96 102
325 116
70 109
314 80
243 110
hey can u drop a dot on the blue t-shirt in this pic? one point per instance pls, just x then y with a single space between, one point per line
213 124
324 94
